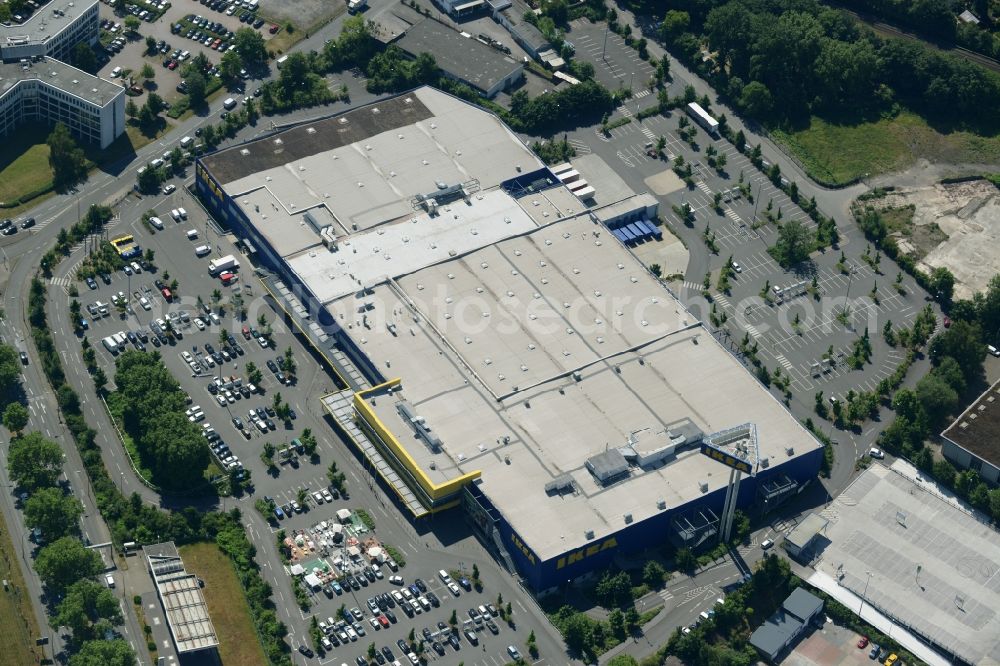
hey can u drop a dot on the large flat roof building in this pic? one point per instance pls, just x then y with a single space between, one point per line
972 441
513 357
919 557
36 84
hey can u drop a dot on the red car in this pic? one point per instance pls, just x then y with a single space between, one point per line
947 322
246 332
172 65
863 642
274 28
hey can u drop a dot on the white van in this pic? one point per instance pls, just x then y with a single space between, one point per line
192 234
156 222
183 213
281 61
202 250
443 575
176 214
117 71
187 142
157 163
229 104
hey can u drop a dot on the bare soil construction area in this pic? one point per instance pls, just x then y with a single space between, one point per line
954 225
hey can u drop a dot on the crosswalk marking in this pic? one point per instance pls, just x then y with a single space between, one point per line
723 301
732 215
666 595
642 93
785 363
704 188
580 147
693 286
752 331
649 133
59 281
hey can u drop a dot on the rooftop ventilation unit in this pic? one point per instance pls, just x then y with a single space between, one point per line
628 518
589 535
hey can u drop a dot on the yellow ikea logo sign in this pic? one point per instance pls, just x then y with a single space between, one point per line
592 549
522 547
726 459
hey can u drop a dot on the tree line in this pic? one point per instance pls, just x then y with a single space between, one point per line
782 60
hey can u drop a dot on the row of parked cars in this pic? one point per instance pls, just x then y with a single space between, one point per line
226 458
9 228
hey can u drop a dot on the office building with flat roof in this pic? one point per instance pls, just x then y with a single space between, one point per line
506 354
183 602
36 84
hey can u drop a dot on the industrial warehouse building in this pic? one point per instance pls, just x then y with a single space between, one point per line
505 352
36 84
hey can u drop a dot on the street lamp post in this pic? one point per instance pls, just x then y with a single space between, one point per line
865 593
605 49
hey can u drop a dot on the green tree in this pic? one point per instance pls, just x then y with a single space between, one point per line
250 46
132 23
65 158
288 362
963 341
151 48
230 66
89 609
756 100
614 590
653 574
64 562
197 89
34 461
937 397
942 285
675 23
104 653
147 72
254 375
53 512
131 109
84 58
685 560
15 417
578 631
793 245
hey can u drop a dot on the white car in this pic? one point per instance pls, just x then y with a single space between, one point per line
186 355
144 302
262 341
318 497
169 188
766 544
327 496
737 267
221 399
876 453
199 323
396 580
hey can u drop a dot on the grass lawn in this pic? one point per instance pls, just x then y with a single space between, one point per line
839 154
24 164
17 647
227 606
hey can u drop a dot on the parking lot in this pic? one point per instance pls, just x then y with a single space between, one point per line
796 330
615 64
200 311
133 55
384 610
